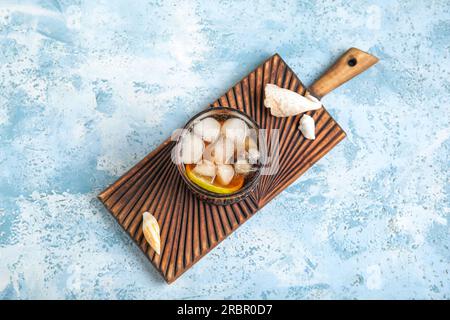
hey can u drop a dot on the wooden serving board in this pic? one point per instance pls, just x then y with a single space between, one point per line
190 228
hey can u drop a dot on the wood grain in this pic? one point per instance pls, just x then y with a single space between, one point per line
349 65
190 228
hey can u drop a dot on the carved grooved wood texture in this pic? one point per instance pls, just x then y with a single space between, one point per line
190 228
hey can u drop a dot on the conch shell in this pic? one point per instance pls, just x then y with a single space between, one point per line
285 103
150 227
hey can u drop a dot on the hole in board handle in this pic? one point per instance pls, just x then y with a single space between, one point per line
352 62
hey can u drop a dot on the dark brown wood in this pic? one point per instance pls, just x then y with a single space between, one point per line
349 65
189 227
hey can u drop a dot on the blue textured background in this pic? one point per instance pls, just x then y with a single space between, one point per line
87 88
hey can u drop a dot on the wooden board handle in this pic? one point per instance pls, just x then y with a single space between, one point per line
349 65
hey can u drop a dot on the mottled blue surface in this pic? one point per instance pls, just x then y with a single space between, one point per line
87 88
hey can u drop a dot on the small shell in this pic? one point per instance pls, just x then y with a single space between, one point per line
205 168
150 228
284 103
208 129
223 151
191 148
225 174
307 127
235 129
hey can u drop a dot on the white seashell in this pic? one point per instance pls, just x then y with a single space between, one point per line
205 168
208 129
312 98
284 103
243 167
307 127
150 228
236 130
191 148
225 174
223 151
